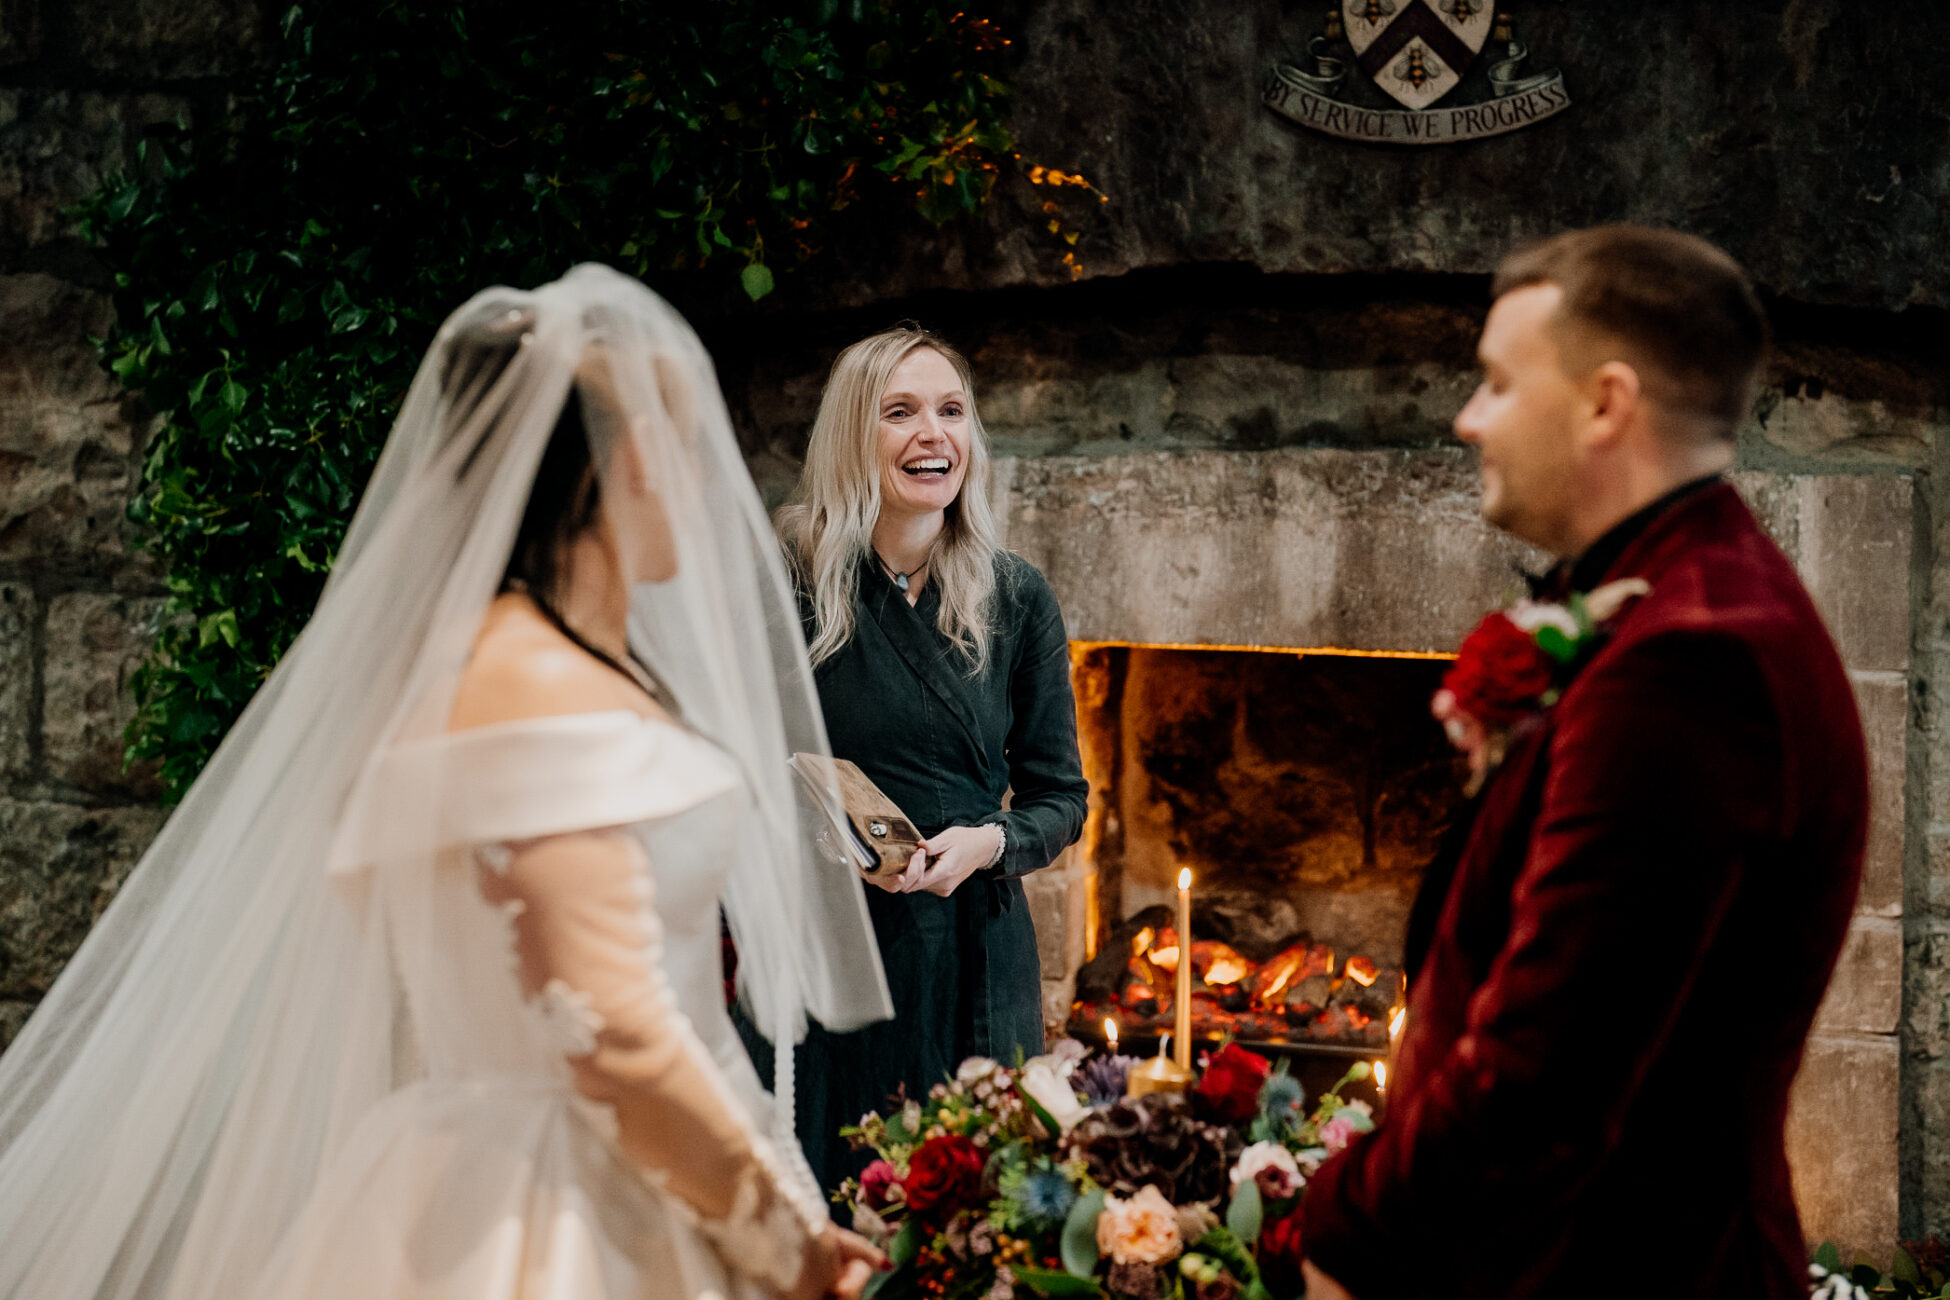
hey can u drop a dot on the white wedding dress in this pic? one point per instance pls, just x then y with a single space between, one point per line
507 1171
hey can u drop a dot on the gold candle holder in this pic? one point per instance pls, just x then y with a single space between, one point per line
1159 1074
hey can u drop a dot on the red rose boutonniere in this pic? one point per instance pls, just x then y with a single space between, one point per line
1516 664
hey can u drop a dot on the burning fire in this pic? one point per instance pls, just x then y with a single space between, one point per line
1304 992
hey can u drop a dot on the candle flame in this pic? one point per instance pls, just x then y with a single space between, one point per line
1395 1023
1381 1076
1110 1032
1184 877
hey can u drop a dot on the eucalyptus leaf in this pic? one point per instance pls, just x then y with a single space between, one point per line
1049 1283
1829 1257
1903 1269
1078 1247
1247 1213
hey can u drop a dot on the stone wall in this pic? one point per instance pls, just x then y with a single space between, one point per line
1251 290
79 80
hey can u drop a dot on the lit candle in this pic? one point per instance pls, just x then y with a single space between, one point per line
1381 1077
1184 994
1110 1034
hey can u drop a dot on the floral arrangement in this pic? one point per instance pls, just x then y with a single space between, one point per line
1049 1179
1516 664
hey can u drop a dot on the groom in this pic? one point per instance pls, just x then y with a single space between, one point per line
1590 1093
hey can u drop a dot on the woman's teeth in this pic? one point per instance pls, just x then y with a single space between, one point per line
932 467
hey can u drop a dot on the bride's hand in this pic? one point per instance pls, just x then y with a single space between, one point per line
955 855
838 1264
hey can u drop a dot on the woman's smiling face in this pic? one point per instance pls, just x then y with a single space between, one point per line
924 435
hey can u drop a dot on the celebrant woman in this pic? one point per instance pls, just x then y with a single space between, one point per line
944 673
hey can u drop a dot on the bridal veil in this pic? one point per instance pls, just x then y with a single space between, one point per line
250 993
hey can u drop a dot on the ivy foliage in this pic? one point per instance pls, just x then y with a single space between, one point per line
278 280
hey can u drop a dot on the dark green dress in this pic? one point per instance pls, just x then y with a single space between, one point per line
947 748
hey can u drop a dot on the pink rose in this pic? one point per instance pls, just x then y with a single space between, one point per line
877 1181
1337 1132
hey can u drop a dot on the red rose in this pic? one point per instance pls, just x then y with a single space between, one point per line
1499 674
876 1181
1228 1091
943 1175
1280 1254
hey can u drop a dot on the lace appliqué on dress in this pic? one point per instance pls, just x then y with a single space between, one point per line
767 1232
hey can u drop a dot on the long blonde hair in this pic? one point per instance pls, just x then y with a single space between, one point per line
828 525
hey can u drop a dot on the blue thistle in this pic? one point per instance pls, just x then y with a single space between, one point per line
1282 1106
1103 1079
1046 1197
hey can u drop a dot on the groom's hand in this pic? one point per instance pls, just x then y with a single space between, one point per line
1320 1286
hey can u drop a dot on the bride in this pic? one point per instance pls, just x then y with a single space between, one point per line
419 993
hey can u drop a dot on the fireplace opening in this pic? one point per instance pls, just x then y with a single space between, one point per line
1305 791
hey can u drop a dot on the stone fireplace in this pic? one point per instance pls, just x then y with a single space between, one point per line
1305 792
1255 635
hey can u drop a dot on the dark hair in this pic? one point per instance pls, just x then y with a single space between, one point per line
1677 309
563 499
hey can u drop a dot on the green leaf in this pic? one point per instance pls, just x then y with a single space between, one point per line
1046 1282
1903 1269
1553 642
1078 1248
1247 1213
233 395
757 279
1829 1257
906 1243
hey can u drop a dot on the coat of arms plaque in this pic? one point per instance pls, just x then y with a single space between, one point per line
1415 53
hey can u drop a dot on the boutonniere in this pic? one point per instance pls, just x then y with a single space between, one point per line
1516 664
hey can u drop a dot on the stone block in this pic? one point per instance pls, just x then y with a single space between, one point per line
1855 541
1056 905
1366 550
58 146
59 867
95 641
1926 979
1928 1138
1883 700
13 1015
168 40
1841 1142
20 42
1865 995
67 450
18 615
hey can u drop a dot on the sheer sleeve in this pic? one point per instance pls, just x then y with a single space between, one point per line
587 938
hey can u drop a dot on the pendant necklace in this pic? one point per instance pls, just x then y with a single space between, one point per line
901 580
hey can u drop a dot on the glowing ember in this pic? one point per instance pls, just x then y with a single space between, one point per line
1357 1018
1362 971
1227 970
1142 940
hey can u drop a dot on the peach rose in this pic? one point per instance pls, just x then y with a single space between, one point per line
1140 1230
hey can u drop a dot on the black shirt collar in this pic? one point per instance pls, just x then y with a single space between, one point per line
1588 569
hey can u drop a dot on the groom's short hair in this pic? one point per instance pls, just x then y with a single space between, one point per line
1672 306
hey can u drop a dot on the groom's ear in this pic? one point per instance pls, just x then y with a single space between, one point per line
1611 399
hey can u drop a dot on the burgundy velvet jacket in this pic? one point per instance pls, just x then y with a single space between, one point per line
1590 1093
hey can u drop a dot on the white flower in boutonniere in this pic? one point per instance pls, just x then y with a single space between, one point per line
1516 664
